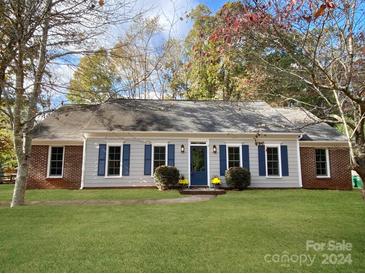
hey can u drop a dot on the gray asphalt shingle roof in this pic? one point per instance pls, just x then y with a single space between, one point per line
311 125
70 121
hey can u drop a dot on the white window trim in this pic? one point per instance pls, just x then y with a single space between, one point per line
49 162
327 166
153 154
299 163
279 159
83 162
227 154
107 160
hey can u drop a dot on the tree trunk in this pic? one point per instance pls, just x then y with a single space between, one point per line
23 149
22 130
2 82
360 168
20 184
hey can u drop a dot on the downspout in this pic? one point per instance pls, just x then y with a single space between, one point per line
83 162
299 162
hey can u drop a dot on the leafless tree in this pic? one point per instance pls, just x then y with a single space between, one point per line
141 57
34 34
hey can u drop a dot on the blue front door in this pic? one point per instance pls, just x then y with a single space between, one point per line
198 166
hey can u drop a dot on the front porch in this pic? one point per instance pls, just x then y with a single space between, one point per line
202 191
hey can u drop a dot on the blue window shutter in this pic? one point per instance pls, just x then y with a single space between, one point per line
102 160
222 159
246 156
171 155
284 161
126 157
147 159
262 160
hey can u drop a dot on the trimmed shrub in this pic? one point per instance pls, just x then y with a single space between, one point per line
166 177
238 178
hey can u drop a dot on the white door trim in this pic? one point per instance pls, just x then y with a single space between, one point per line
190 144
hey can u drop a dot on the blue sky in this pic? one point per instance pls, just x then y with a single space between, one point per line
213 5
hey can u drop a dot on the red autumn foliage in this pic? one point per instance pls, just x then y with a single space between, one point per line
320 11
232 22
307 18
265 15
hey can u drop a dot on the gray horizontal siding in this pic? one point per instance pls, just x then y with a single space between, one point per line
261 181
137 177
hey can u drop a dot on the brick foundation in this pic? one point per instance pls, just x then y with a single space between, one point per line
339 169
37 175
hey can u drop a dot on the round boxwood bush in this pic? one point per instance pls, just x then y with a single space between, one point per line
166 177
238 178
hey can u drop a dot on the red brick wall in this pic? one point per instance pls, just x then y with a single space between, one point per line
339 169
37 175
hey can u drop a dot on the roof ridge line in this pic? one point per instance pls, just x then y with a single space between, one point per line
286 118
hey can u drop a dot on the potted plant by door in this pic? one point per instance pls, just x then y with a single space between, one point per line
216 181
183 182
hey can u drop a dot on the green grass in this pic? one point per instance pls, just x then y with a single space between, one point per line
87 194
231 233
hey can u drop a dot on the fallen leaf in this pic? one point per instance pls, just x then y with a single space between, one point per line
307 18
330 4
320 11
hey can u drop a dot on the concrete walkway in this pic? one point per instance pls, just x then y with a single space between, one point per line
183 200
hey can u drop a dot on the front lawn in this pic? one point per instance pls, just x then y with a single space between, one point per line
235 232
6 192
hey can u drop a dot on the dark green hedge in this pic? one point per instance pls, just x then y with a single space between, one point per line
166 177
238 178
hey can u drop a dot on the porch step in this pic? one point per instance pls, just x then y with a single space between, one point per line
202 191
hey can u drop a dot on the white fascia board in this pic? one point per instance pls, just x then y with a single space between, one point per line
343 144
51 142
205 135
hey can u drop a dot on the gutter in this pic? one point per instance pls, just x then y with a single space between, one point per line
324 143
299 162
194 133
70 142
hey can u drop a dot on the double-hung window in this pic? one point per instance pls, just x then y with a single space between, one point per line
55 165
272 161
114 156
234 156
322 163
159 156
